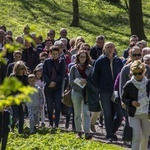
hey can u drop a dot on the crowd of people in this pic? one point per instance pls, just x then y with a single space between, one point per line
52 65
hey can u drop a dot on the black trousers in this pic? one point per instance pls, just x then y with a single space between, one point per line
4 128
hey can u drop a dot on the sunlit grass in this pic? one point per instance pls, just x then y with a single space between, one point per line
47 139
96 17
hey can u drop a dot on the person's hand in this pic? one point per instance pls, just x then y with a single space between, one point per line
123 105
83 81
135 104
52 84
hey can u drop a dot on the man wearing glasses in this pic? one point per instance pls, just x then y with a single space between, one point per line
135 54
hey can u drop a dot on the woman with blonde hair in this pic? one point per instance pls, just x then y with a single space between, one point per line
136 97
20 72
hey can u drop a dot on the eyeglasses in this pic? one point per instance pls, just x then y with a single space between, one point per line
82 56
137 73
134 55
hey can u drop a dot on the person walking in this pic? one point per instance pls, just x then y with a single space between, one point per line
105 71
79 72
136 97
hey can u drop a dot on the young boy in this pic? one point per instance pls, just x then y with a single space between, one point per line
35 105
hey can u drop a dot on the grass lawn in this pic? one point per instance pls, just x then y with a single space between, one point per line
96 17
46 139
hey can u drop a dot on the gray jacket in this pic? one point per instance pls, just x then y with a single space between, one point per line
36 98
74 73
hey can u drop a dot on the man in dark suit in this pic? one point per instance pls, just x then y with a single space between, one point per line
53 75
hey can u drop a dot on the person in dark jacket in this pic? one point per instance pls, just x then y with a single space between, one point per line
20 72
133 39
105 71
4 127
63 34
53 75
97 49
30 56
17 57
136 97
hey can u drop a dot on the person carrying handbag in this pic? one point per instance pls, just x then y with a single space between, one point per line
78 81
136 97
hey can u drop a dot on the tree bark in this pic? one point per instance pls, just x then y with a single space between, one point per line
136 18
75 20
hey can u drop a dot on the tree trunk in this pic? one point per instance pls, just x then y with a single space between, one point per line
136 18
75 20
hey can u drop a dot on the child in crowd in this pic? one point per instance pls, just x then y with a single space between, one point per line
35 105
39 81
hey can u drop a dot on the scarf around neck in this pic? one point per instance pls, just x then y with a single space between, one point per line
143 99
140 85
81 69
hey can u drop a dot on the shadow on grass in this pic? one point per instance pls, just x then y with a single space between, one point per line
53 6
30 5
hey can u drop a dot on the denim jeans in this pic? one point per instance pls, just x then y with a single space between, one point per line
53 100
80 108
18 114
112 114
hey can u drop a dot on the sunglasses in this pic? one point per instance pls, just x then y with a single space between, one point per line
134 55
137 73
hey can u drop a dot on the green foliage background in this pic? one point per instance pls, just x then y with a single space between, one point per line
96 17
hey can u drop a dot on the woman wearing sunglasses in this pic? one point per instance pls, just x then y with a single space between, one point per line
136 97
